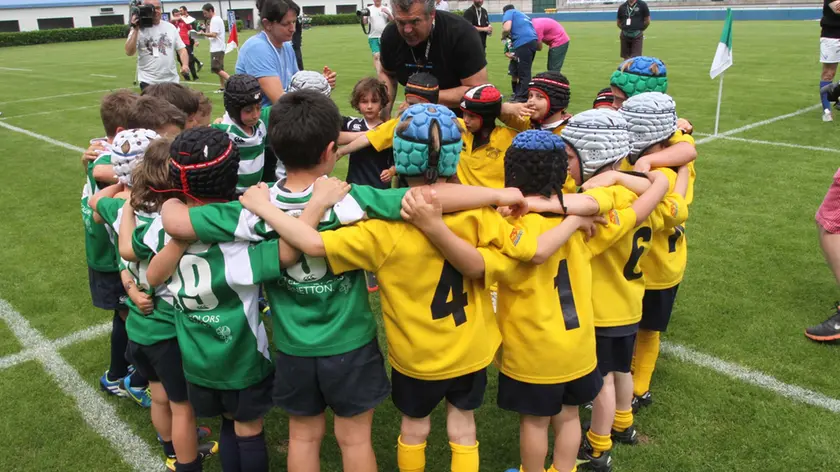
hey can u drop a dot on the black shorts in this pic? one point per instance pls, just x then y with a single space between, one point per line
161 362
217 61
417 398
656 308
243 405
615 353
349 384
547 400
106 290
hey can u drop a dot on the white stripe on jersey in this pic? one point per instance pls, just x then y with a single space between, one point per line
240 278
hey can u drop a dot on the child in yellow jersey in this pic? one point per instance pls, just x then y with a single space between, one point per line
653 127
617 282
439 322
545 372
548 97
482 158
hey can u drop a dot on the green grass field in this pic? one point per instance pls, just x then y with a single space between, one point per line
755 276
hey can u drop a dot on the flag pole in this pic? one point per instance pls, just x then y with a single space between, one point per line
720 96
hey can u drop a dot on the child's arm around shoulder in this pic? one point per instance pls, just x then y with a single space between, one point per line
125 243
680 151
142 300
295 232
422 209
326 192
163 265
108 192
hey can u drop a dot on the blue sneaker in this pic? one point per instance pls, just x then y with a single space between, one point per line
141 395
112 387
264 308
512 470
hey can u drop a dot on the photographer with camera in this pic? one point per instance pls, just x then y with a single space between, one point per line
156 43
377 16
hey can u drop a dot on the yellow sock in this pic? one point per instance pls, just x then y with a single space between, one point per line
644 360
623 420
600 444
411 458
552 469
464 458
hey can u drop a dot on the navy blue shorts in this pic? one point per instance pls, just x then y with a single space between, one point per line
247 404
615 353
106 290
657 306
417 398
547 399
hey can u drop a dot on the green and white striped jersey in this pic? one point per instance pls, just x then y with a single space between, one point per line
160 324
223 341
316 313
99 247
251 148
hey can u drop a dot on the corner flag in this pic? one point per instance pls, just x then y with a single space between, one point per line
233 38
723 56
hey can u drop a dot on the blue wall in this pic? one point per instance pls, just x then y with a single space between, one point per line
689 15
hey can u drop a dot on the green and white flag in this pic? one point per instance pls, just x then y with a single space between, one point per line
723 56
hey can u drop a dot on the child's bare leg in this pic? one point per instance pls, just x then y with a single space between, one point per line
305 435
623 385
411 445
566 438
533 442
603 408
161 414
353 436
184 436
460 426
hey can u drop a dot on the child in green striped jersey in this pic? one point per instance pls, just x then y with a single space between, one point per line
215 291
246 124
103 271
151 320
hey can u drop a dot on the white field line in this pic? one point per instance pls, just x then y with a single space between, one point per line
105 76
15 70
49 112
775 143
752 377
759 123
99 414
37 99
41 137
79 336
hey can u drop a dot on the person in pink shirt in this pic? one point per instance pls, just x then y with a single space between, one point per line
552 33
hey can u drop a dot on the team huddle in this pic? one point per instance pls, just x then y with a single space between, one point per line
548 244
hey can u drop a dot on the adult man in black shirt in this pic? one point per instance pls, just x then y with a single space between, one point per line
437 42
829 50
633 18
477 16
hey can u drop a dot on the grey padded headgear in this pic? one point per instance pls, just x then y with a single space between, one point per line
652 118
599 137
310 80
128 150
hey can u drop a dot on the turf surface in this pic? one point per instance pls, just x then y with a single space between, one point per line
755 277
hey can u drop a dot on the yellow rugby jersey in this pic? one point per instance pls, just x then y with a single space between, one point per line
382 137
680 137
439 325
618 283
485 166
545 311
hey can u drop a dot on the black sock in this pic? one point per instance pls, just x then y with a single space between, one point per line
119 342
168 449
253 453
138 381
194 466
228 448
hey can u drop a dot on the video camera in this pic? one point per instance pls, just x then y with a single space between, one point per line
145 13
363 15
